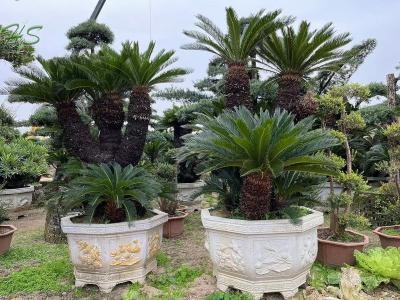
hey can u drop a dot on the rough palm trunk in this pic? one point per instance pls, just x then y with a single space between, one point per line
289 92
76 135
179 132
52 230
237 87
255 196
139 113
108 115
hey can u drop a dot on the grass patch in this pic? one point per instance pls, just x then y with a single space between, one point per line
229 296
162 259
38 253
56 276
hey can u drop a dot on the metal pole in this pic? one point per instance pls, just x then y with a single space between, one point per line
97 9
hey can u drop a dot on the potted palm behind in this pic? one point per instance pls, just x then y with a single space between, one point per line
248 250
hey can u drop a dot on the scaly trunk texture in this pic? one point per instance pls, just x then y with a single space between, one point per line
237 87
52 230
77 137
113 213
255 196
179 132
306 106
289 92
108 115
139 113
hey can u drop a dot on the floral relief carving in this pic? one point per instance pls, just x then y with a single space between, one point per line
231 257
310 248
154 244
90 255
126 255
270 259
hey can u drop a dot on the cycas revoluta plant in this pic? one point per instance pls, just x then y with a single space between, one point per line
294 56
104 79
263 146
235 48
112 191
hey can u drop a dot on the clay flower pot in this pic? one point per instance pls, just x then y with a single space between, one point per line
334 253
388 240
174 226
6 233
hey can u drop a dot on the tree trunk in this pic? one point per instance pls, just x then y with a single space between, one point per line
108 114
391 89
237 87
349 159
179 132
289 91
76 135
255 196
52 230
139 113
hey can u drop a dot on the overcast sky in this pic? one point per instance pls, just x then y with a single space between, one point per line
164 21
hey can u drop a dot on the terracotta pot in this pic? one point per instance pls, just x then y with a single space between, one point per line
6 233
174 226
334 253
388 240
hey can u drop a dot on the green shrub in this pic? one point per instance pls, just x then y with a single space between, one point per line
21 162
44 116
6 118
8 134
382 262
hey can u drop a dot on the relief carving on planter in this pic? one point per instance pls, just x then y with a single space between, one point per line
310 248
230 256
126 254
89 255
154 244
270 259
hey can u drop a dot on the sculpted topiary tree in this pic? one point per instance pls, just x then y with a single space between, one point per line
14 49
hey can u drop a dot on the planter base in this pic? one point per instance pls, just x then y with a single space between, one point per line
257 288
107 281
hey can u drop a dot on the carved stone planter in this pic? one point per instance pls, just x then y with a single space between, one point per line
261 256
109 254
16 199
186 190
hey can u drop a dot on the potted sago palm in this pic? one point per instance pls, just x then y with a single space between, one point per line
168 202
257 248
115 236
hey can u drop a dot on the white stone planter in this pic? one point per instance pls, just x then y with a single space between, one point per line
16 199
186 190
109 254
261 256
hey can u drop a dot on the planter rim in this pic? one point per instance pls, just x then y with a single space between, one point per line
11 231
343 244
24 189
105 229
195 184
184 215
258 227
378 232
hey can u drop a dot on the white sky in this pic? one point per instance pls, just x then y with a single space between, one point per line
130 20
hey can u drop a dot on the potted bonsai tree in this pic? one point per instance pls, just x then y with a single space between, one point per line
248 250
22 162
168 201
116 235
390 235
6 231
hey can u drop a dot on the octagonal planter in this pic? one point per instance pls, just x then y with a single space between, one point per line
109 254
334 253
388 240
261 256
186 190
16 199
